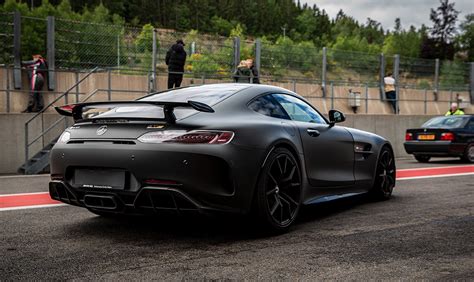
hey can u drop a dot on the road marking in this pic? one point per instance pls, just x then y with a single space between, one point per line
26 199
32 207
434 172
35 200
435 176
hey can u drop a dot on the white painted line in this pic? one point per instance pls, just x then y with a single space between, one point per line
435 176
32 207
23 194
23 176
434 167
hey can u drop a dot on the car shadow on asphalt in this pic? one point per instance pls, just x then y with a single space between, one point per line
210 229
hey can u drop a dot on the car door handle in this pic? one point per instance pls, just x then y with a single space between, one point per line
313 132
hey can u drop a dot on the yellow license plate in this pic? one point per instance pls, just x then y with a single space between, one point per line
426 137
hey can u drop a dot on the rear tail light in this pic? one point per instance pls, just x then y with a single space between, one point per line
447 136
191 137
408 136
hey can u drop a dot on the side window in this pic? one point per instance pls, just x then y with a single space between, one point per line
470 124
266 105
299 110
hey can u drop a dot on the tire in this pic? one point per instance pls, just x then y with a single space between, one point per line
279 191
422 159
468 155
384 175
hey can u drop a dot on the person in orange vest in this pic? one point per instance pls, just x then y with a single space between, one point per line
37 71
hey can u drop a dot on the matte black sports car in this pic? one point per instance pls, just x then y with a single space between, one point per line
448 136
226 147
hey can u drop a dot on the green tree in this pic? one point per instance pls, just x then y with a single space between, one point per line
466 38
444 28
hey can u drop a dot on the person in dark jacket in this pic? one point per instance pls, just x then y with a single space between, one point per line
175 60
37 71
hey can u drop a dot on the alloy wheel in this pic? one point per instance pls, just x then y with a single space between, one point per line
386 173
283 189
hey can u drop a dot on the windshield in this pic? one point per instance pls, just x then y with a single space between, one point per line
446 122
207 94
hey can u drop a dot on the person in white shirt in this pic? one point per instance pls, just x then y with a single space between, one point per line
390 93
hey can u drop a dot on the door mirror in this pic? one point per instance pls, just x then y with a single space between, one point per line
336 116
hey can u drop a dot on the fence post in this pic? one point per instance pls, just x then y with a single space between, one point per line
51 52
8 88
17 50
396 70
366 98
425 102
471 82
382 76
153 63
258 55
436 80
109 84
77 86
118 51
323 71
236 53
332 95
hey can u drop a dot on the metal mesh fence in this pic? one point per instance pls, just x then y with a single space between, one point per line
352 66
33 37
454 75
288 60
211 56
417 73
83 45
86 45
6 37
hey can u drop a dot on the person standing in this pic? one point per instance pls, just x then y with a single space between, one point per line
454 110
254 72
242 73
390 93
37 71
246 72
175 60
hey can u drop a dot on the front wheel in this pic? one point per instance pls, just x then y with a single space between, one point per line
384 175
278 196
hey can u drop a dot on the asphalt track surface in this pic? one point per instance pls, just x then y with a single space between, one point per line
426 231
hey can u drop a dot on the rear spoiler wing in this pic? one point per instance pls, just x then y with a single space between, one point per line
75 110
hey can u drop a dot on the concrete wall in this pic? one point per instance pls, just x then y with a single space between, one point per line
12 133
137 82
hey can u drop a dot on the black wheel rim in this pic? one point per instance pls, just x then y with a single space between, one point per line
386 172
283 189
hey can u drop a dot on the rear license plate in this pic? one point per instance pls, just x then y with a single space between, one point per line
99 178
426 137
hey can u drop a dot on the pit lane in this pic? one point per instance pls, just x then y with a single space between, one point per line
426 231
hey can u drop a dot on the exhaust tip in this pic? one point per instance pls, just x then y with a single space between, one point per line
100 202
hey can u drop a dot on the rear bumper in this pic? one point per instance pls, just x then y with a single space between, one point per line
148 200
435 148
221 177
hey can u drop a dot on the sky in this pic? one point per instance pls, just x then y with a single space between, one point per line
410 12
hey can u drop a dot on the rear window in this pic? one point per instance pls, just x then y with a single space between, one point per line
446 122
207 94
